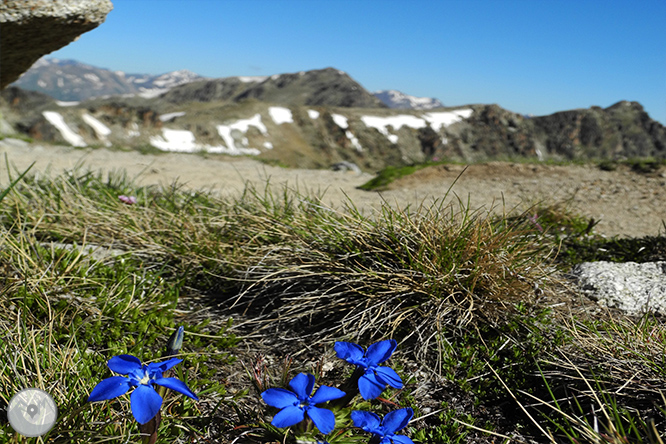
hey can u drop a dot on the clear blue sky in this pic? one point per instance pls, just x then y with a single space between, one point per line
528 56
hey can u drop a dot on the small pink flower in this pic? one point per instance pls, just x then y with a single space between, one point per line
533 219
129 200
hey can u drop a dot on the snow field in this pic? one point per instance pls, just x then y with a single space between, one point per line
58 121
184 141
101 130
280 115
170 116
436 120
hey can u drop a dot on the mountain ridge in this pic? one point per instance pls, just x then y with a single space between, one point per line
70 80
318 118
319 87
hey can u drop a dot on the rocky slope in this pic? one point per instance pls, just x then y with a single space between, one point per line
318 118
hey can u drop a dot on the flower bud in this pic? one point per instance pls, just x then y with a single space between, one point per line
175 342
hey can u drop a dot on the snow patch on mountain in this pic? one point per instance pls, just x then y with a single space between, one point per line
170 116
101 130
436 120
340 120
56 119
444 119
252 79
354 141
397 99
229 134
343 123
183 141
280 115
382 124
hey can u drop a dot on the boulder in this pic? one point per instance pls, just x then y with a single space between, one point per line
33 28
631 287
348 167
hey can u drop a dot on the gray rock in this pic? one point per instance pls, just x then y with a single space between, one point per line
346 167
33 28
632 287
9 142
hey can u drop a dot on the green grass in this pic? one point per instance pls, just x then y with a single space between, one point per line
466 293
392 173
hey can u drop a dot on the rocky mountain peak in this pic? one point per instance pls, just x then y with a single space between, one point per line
626 106
319 87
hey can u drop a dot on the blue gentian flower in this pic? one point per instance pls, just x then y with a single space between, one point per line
144 400
375 378
384 429
296 404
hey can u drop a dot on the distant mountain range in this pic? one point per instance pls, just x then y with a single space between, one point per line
308 119
69 80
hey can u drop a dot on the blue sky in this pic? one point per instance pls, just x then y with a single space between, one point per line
528 56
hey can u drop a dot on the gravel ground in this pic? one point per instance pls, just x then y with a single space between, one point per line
625 203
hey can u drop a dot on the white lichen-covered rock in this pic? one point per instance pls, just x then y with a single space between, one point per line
632 287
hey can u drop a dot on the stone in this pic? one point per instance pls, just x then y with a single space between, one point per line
634 288
346 167
33 28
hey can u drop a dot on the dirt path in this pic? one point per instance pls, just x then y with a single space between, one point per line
625 203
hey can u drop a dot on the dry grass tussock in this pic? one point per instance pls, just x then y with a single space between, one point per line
284 260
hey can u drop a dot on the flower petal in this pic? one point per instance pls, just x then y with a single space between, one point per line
288 416
369 386
388 376
323 419
161 367
350 352
124 364
325 394
177 385
401 439
145 403
109 388
397 420
302 384
380 351
367 421
279 397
